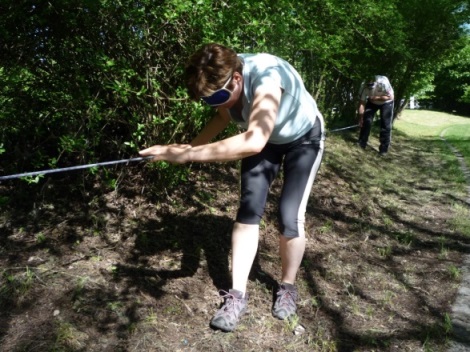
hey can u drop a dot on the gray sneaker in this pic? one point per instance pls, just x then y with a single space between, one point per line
229 314
285 305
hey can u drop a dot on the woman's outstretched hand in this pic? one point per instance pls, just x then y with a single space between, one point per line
174 153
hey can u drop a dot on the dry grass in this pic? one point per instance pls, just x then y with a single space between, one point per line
88 269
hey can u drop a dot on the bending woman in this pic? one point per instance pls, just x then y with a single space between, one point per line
282 127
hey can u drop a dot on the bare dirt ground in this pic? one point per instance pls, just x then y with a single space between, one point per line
89 268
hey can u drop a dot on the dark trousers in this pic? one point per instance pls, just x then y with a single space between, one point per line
300 161
386 119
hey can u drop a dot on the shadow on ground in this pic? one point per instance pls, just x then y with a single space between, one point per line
87 268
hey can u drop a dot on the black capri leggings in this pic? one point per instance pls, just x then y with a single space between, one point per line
301 160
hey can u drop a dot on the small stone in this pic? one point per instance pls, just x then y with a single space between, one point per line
34 261
299 330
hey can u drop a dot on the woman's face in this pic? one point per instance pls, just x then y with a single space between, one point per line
236 87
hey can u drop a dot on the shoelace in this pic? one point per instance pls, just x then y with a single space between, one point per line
286 297
230 302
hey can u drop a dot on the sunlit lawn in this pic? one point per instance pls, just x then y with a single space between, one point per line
432 124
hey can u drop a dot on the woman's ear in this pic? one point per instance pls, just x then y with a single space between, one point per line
237 76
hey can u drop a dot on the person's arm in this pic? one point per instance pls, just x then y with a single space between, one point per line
361 108
360 111
362 104
261 124
216 125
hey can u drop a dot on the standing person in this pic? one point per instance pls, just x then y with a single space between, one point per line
282 127
376 94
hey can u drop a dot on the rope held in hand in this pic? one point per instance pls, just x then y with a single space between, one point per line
105 163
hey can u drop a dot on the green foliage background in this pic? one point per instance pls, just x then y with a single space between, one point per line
93 80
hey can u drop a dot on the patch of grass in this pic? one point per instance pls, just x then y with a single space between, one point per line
385 252
461 221
320 340
326 227
439 330
79 287
69 338
431 124
173 309
4 200
425 123
455 273
116 307
16 284
459 137
291 323
40 238
405 237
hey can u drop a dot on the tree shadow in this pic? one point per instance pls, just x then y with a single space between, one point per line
196 238
198 241
428 241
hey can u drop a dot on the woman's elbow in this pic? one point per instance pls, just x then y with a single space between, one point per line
255 149
256 145
255 142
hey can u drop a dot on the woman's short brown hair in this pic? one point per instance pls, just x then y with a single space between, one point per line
209 68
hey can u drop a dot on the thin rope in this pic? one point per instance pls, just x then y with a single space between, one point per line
78 167
343 128
105 163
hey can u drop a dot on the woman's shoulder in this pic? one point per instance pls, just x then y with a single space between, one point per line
259 57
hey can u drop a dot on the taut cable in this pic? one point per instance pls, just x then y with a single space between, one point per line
71 168
105 163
